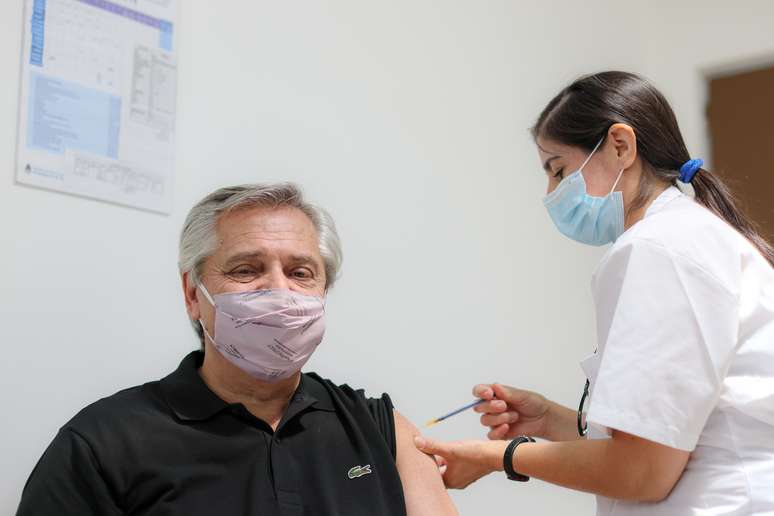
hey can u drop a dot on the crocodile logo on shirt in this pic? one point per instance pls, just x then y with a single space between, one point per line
359 471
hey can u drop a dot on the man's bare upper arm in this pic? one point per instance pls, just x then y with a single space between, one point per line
423 486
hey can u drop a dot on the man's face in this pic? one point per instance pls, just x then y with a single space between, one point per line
259 248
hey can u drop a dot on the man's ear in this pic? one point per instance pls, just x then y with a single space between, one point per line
191 299
624 142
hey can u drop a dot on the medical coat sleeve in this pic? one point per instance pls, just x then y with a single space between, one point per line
667 332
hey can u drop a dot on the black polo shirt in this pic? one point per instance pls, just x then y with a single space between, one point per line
172 447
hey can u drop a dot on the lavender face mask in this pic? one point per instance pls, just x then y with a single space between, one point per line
269 334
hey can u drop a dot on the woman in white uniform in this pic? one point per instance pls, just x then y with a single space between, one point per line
680 391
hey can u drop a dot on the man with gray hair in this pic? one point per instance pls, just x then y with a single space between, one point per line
237 428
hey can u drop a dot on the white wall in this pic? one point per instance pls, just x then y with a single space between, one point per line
407 120
691 40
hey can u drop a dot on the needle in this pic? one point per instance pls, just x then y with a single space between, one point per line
454 412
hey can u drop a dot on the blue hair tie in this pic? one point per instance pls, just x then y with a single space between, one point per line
689 169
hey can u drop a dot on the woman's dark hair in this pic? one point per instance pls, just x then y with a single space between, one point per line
581 114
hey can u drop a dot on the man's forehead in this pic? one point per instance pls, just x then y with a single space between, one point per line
284 219
251 229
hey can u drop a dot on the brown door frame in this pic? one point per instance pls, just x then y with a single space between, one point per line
729 68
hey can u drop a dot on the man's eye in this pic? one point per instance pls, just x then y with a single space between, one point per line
242 272
559 174
302 273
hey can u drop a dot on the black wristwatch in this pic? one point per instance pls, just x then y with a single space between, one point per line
508 458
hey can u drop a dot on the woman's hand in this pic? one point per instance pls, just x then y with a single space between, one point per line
510 412
464 462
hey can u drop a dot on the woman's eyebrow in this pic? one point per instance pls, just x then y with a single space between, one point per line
546 166
549 160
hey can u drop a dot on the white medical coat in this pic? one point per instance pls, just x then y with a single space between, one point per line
685 322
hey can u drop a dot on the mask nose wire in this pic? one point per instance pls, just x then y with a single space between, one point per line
251 319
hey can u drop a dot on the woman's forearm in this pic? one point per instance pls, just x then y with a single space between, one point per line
597 466
616 468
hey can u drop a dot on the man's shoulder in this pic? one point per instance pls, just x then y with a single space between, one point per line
109 415
375 412
343 391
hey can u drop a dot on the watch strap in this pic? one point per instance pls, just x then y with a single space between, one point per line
508 458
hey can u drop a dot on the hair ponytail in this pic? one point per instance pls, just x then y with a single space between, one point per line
582 113
712 192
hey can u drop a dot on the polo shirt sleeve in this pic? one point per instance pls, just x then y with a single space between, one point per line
668 330
381 410
67 481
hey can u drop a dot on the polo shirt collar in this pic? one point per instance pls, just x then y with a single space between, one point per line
187 394
311 391
191 400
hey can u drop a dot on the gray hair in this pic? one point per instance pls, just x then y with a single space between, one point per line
199 240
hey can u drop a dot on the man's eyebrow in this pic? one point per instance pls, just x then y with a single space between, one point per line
303 258
245 256
248 256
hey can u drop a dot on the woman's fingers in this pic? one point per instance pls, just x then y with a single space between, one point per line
493 420
498 397
498 433
491 407
510 395
483 391
431 446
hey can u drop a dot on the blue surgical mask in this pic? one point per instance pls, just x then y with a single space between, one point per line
583 217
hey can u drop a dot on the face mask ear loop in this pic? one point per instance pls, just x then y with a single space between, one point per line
592 153
206 294
206 332
209 298
616 181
